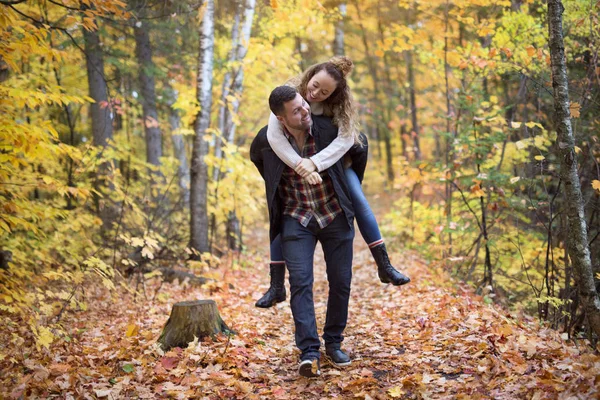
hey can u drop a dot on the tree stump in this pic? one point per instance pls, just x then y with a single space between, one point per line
199 318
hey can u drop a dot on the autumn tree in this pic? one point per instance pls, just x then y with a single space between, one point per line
199 168
577 241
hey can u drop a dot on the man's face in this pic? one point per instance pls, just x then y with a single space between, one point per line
296 114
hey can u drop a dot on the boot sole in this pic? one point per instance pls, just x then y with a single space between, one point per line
338 364
269 305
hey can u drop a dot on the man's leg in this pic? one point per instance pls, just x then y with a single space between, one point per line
298 251
337 239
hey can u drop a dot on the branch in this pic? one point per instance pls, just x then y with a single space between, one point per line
10 3
64 6
467 204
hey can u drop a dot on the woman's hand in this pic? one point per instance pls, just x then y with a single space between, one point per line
305 167
314 178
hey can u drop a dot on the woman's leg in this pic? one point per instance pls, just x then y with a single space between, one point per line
369 229
365 219
276 292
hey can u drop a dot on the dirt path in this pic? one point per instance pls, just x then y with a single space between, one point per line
426 340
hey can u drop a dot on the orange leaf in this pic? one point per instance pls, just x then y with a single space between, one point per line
574 109
530 50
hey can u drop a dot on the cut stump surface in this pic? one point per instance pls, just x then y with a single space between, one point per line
189 319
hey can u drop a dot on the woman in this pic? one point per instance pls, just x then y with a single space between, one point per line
324 86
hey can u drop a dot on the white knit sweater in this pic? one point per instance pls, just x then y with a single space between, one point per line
322 160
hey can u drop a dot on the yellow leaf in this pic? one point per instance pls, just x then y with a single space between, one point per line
44 337
274 4
574 108
533 124
147 253
596 184
539 158
515 179
515 124
137 242
379 53
132 330
396 392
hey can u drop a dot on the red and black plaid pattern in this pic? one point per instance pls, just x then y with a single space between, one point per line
301 200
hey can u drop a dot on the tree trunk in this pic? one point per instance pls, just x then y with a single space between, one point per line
338 41
143 53
413 104
449 142
199 170
238 75
101 112
232 91
382 128
223 110
577 243
102 129
183 171
190 319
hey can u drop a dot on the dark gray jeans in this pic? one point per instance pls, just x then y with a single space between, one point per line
298 251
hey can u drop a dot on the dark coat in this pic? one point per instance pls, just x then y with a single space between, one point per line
271 169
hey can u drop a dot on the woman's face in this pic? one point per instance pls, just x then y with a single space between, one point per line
320 87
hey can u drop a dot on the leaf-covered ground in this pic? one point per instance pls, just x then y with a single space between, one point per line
430 339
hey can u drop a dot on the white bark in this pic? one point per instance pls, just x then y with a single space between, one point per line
223 111
338 41
199 170
238 74
577 243
178 144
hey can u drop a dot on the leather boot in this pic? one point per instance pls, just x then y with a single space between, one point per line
276 292
387 273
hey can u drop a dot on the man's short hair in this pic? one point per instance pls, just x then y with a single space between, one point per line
279 96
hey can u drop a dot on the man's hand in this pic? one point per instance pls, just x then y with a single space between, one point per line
305 167
314 178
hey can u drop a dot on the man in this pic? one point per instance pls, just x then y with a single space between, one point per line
304 214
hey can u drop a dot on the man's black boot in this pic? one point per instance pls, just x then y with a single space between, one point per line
387 273
276 292
337 355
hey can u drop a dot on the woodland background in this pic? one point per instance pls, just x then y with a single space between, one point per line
126 127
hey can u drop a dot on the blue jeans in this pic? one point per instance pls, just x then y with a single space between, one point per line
365 219
299 244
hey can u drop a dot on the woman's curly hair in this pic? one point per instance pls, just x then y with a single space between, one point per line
340 105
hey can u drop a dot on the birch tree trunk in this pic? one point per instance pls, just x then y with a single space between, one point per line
143 52
238 75
338 41
183 172
223 110
232 91
199 170
577 243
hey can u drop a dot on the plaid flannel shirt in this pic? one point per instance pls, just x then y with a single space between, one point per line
301 200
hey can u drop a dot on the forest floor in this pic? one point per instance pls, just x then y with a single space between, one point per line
432 338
